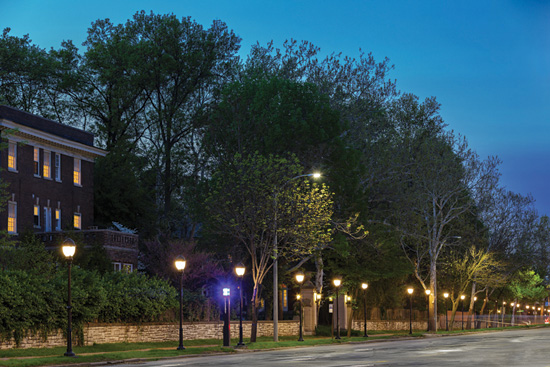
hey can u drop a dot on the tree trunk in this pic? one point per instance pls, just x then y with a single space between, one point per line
254 326
432 307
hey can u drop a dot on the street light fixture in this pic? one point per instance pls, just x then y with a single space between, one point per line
462 299
337 282
365 286
446 295
410 291
180 263
69 248
276 256
300 279
428 292
239 270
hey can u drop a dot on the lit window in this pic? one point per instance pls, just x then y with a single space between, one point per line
58 219
127 268
77 221
12 217
36 213
36 161
47 163
76 175
57 167
12 156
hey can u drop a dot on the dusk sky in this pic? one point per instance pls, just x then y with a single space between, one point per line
487 62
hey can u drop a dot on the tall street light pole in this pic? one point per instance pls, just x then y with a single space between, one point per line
69 248
462 299
276 257
300 279
180 263
365 286
446 295
239 270
428 302
410 291
337 282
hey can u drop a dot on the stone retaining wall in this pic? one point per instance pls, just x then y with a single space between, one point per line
389 325
157 332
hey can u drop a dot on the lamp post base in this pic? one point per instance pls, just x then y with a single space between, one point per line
69 354
181 347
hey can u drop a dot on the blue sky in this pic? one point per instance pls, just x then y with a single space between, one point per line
487 61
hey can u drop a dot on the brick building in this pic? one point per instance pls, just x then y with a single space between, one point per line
49 167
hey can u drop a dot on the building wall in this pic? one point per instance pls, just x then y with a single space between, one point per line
154 332
27 190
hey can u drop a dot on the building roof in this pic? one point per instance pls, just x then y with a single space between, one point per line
46 125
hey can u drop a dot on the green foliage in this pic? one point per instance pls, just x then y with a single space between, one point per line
35 302
527 286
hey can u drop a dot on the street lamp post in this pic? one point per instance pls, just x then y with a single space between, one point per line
276 256
337 282
69 248
180 263
462 317
300 278
503 311
446 295
239 270
365 286
428 302
410 291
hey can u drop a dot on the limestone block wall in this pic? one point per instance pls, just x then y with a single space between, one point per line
389 325
152 332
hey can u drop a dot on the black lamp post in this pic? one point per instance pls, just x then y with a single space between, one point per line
462 318
239 270
446 295
428 302
180 265
365 286
337 282
410 291
69 248
300 278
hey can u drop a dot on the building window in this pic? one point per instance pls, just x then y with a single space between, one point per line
77 221
12 217
58 219
36 162
12 156
127 268
47 165
57 167
77 179
36 214
47 219
117 266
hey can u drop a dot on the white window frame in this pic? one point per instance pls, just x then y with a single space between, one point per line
36 215
12 214
77 172
57 167
47 165
12 156
36 161
117 266
58 219
47 219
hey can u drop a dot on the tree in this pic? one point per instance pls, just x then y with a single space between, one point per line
254 196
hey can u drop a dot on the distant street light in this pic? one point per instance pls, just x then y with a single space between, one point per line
276 256
365 286
462 298
446 295
180 263
300 279
337 282
69 248
239 270
428 301
410 291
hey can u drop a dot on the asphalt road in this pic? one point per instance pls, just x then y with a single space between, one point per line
503 348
